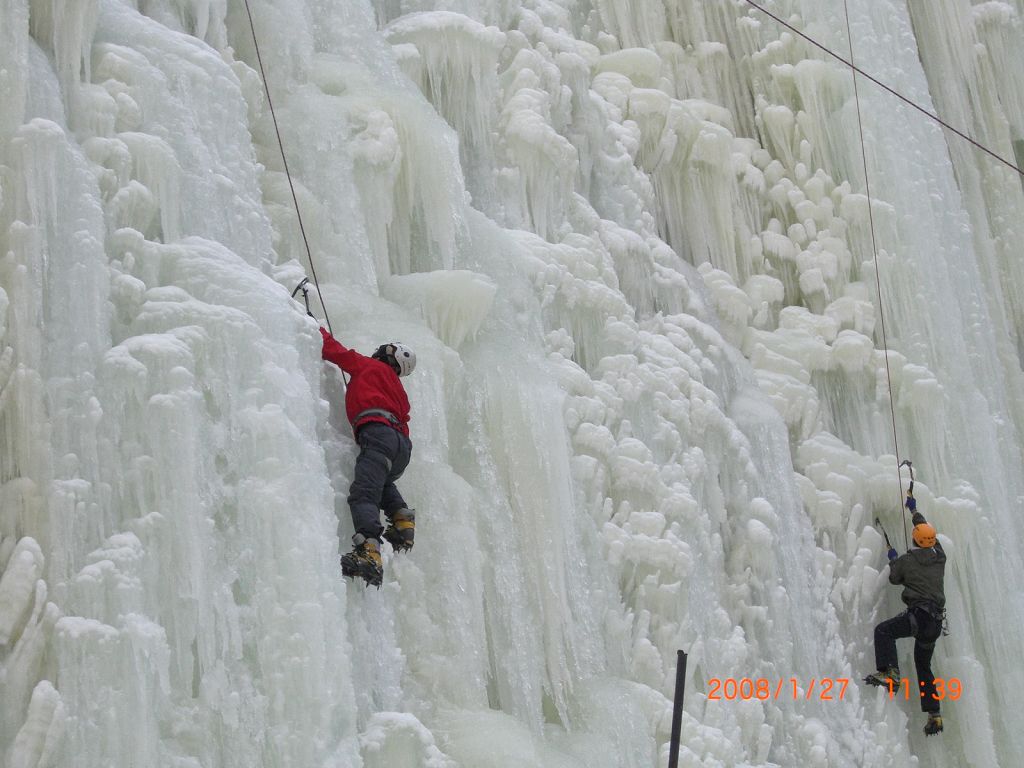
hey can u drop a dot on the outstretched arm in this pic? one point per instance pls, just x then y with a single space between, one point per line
335 352
916 518
895 561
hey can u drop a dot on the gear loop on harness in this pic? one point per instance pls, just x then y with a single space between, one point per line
392 419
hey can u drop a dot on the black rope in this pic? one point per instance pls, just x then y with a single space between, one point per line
291 186
878 266
885 87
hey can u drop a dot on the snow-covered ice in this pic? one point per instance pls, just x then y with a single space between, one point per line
631 243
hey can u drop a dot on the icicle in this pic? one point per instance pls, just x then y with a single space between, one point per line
14 48
67 29
453 303
459 58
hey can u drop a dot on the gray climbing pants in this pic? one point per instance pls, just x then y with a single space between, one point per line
383 456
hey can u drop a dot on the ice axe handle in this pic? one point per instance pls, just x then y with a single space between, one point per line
882 529
302 286
909 465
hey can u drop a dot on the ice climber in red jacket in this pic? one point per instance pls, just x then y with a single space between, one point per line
378 410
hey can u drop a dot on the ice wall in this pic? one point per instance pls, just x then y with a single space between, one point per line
630 243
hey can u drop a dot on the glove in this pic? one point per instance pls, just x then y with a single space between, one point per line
911 503
892 554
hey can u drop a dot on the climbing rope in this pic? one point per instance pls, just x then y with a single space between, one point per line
287 172
893 91
878 268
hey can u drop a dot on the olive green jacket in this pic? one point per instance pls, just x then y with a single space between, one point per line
921 572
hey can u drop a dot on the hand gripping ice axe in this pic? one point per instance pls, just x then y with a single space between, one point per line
304 287
909 503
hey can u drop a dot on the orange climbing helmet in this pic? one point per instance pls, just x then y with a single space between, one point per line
924 535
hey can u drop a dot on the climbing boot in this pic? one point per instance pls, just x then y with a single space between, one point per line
364 561
401 529
883 676
934 724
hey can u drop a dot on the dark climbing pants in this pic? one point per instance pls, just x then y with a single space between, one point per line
383 456
925 629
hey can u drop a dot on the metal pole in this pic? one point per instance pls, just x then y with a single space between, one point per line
677 712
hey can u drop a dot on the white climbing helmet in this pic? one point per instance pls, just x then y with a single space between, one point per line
397 355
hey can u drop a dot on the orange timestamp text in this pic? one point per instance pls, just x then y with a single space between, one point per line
763 689
945 688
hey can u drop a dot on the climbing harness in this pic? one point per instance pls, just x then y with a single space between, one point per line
392 419
287 173
937 614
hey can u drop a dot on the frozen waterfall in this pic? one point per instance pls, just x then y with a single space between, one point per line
630 242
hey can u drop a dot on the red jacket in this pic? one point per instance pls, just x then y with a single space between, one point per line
373 385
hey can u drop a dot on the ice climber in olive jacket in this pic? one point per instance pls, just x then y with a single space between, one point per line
920 571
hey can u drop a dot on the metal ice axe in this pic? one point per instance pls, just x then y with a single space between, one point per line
909 465
882 529
303 286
